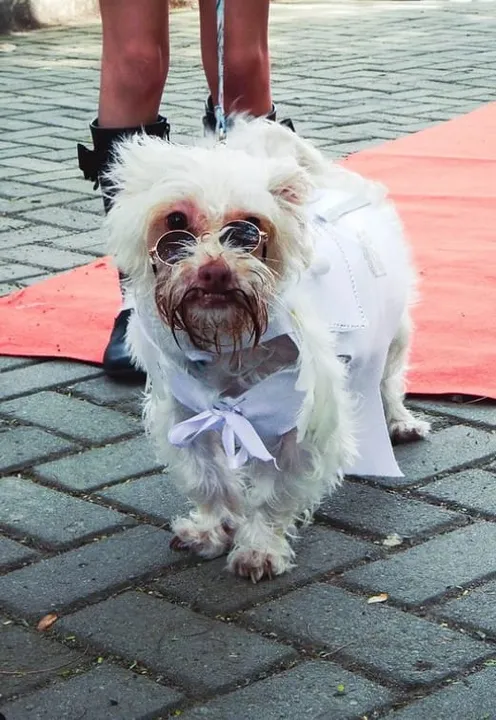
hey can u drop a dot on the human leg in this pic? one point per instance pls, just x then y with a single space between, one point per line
135 61
246 57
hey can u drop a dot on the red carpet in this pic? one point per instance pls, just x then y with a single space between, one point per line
444 182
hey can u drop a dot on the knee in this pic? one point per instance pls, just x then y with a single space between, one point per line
140 73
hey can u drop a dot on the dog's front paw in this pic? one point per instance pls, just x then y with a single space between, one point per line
257 564
209 543
408 429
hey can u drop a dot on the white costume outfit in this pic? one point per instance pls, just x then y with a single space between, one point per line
360 280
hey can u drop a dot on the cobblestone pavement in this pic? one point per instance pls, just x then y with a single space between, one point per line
145 632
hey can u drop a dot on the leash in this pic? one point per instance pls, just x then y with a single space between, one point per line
220 115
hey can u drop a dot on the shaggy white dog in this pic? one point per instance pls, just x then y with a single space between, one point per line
271 292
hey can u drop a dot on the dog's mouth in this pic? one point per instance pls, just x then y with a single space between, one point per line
208 300
242 315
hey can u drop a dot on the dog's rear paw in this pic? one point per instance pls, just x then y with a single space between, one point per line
408 429
208 543
257 565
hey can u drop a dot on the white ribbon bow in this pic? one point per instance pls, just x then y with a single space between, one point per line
235 429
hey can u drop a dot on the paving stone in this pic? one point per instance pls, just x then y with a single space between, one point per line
45 257
471 489
51 517
476 609
381 513
479 412
471 698
86 573
19 202
192 651
22 446
106 692
311 690
212 589
9 363
399 647
29 234
44 375
69 416
104 391
100 466
13 553
447 449
26 651
17 270
427 571
63 218
9 287
153 496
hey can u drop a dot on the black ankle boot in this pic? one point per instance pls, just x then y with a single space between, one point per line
116 360
209 121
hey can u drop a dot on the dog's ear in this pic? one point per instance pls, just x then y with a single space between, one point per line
289 183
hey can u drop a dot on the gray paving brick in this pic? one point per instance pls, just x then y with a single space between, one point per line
17 270
10 287
10 363
103 391
153 496
63 218
100 466
86 573
29 234
28 652
311 690
211 588
471 489
195 652
45 257
42 376
80 241
22 446
427 571
396 646
475 609
16 190
26 163
479 412
106 692
446 449
13 553
69 416
471 698
20 202
51 517
375 511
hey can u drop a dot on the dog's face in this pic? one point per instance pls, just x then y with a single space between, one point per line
212 232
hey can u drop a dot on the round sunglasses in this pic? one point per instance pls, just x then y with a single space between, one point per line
173 246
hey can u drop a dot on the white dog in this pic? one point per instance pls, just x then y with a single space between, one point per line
271 292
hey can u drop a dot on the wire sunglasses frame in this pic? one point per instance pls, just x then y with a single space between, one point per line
172 246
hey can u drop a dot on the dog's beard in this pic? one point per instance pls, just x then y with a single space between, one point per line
242 321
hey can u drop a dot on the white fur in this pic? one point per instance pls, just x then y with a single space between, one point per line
268 171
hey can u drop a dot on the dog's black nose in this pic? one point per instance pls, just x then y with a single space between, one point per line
215 276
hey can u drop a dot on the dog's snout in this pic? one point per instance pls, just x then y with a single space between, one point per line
215 276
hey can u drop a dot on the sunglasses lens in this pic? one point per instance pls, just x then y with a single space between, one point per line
173 246
240 235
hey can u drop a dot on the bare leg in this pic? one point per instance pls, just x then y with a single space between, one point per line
246 54
135 61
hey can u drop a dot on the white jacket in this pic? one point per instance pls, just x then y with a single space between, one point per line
360 281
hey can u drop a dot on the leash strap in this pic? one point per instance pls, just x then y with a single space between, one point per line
220 115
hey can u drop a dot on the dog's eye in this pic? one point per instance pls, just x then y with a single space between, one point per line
176 221
254 221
